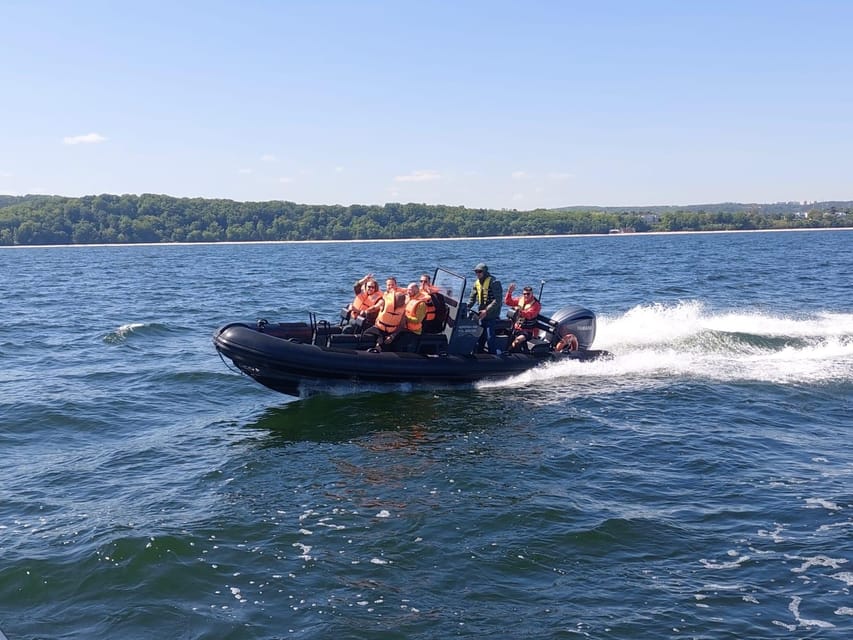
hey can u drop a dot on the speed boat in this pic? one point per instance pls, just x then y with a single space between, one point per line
286 356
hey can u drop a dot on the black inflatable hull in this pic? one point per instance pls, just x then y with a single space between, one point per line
282 365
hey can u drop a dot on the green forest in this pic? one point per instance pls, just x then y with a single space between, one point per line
109 219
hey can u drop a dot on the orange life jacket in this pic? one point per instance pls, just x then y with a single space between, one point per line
412 323
392 314
364 301
430 306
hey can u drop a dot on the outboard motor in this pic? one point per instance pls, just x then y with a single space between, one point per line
577 320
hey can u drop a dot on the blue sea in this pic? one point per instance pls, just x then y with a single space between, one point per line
697 485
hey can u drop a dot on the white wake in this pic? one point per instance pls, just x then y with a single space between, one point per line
654 344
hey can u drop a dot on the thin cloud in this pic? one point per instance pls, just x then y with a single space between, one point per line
560 176
268 157
518 175
244 171
285 179
419 176
89 138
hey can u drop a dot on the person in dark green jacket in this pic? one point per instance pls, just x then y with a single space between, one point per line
486 300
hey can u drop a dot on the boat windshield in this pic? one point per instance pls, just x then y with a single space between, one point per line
450 285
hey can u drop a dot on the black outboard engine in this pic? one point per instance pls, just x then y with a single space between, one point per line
576 320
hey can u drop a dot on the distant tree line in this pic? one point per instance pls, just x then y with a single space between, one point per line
109 219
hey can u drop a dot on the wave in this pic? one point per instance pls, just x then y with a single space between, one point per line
659 323
661 342
132 330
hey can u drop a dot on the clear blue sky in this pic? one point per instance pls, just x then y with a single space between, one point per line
483 104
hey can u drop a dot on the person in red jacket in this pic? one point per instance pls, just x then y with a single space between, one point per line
527 309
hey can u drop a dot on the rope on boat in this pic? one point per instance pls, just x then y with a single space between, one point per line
225 362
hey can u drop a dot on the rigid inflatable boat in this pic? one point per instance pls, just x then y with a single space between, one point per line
286 355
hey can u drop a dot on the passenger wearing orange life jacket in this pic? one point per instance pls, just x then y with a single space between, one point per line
406 336
387 307
367 294
430 295
390 313
416 309
393 309
527 309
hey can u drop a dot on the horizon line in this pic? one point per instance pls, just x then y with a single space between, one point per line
526 237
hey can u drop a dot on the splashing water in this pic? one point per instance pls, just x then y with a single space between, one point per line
654 344
132 329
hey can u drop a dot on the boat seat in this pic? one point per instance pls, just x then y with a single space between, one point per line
349 341
537 346
503 326
432 343
323 331
296 331
502 342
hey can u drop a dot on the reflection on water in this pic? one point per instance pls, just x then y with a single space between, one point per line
419 414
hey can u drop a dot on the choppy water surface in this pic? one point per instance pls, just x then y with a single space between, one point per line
698 485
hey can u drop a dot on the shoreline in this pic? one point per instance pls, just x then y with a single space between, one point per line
526 237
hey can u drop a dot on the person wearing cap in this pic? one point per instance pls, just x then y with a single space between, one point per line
487 295
527 309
